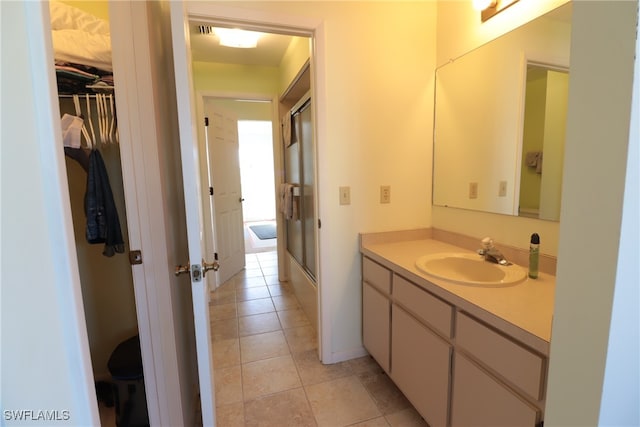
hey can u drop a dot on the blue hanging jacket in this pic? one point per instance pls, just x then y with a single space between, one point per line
103 224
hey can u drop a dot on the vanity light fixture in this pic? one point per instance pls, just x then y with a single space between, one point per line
490 8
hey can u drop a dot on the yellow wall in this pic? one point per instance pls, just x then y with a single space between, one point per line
532 136
98 8
298 52
233 78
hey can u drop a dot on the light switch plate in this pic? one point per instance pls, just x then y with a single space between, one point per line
473 190
345 195
502 189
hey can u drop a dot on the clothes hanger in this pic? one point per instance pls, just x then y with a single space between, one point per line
93 134
76 103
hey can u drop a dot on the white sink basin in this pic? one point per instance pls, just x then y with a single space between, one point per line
469 269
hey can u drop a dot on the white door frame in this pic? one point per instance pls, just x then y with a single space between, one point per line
259 20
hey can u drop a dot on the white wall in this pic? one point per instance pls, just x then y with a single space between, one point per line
621 391
45 352
598 122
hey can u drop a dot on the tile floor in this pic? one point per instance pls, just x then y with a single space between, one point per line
267 371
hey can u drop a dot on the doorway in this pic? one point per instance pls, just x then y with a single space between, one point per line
194 75
258 189
86 100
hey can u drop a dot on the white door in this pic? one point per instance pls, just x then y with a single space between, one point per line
224 162
200 282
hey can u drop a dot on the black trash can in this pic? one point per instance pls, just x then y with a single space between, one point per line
125 366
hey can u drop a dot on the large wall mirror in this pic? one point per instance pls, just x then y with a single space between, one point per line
500 114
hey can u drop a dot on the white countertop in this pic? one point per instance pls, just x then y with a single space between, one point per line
523 310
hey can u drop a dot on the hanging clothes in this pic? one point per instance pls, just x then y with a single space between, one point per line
103 224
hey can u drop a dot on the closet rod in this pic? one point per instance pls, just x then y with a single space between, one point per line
82 95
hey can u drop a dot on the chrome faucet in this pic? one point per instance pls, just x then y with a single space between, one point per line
491 253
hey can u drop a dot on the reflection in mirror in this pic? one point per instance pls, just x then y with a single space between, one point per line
545 116
482 107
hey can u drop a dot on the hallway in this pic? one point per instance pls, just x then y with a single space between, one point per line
267 371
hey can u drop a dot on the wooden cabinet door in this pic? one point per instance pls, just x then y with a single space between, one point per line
420 367
376 314
480 400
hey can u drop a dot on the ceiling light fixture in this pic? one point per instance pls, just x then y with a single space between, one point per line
490 8
235 37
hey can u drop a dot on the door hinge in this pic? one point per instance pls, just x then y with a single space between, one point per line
211 191
319 223
215 256
206 121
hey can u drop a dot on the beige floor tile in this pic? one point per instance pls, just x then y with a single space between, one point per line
285 302
269 270
288 408
301 339
231 415
255 271
341 402
293 318
383 391
226 353
258 323
269 376
280 289
255 306
228 385
223 311
364 364
406 418
224 329
312 371
245 294
272 280
263 346
374 422
265 256
223 296
267 260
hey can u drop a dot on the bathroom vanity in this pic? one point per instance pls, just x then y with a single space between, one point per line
462 354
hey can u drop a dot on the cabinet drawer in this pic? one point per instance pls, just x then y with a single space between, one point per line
479 400
520 366
420 366
376 328
376 275
428 308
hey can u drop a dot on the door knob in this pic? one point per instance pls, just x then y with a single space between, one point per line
241 199
206 266
181 269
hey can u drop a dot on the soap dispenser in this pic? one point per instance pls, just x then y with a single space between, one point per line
534 253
